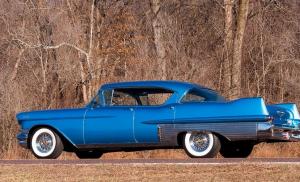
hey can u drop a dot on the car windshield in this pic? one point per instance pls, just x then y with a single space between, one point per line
136 96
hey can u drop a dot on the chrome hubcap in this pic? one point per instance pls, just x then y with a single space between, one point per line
199 141
44 142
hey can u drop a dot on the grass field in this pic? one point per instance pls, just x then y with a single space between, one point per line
153 172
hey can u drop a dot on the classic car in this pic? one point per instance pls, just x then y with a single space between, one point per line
142 115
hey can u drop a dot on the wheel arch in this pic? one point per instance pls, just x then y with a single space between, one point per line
69 146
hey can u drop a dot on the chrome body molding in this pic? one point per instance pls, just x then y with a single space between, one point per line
258 131
232 131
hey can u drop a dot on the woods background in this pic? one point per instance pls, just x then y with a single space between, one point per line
56 53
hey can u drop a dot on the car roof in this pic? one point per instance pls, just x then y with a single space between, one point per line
168 84
178 87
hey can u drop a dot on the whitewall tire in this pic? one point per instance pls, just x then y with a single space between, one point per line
201 144
46 144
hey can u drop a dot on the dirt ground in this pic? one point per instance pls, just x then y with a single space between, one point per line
153 172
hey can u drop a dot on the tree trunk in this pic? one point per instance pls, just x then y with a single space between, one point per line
233 43
228 44
237 49
158 37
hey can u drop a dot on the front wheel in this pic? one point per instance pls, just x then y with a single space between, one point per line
46 144
201 144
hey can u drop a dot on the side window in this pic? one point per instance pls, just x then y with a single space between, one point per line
122 99
136 96
193 96
118 98
153 96
157 98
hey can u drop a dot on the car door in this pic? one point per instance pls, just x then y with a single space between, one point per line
147 119
152 112
109 124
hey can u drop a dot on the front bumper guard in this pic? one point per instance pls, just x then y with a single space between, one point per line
23 138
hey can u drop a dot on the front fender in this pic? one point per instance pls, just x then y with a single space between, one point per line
72 131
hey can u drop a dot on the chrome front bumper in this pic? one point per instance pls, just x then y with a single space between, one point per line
22 138
267 131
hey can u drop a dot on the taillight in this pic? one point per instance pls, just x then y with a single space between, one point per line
270 119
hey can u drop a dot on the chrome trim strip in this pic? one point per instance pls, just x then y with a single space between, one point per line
159 133
133 124
199 120
121 146
83 125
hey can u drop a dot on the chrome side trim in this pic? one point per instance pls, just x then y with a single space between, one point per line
122 146
159 133
232 131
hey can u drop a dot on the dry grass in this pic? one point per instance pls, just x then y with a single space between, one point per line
290 149
158 172
261 150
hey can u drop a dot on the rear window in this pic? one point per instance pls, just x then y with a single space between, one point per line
193 96
201 95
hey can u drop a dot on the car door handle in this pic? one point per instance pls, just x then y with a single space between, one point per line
172 107
131 109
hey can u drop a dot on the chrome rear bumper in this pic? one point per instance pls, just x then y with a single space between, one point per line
286 134
267 131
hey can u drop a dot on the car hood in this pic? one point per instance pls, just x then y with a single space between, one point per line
51 114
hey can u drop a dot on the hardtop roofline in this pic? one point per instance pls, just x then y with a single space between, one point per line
176 86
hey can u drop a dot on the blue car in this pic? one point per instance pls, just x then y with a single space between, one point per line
131 116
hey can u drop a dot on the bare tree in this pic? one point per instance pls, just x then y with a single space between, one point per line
158 29
233 46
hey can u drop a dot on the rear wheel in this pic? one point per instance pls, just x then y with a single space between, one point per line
201 144
236 149
88 154
46 144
